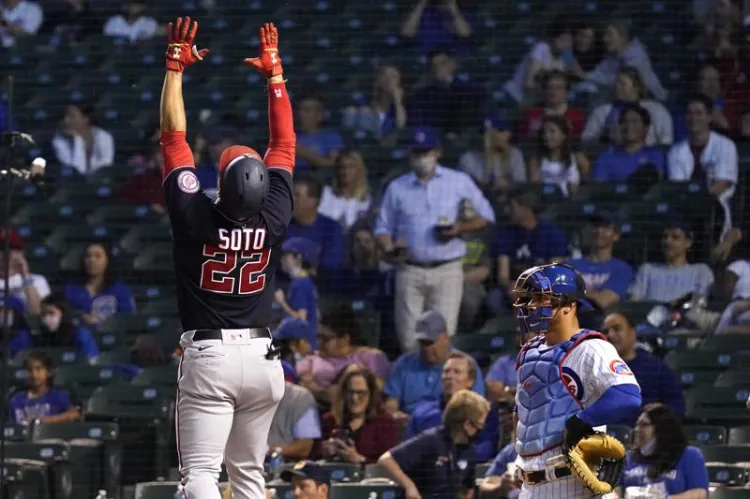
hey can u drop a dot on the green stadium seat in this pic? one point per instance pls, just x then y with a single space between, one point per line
17 432
27 478
112 358
727 475
145 234
155 263
59 456
733 378
137 324
739 435
62 356
119 215
76 430
622 433
727 343
81 381
339 472
707 403
504 326
730 493
611 195
162 307
66 239
710 360
364 491
110 340
375 471
726 453
43 216
157 376
481 344
156 490
705 434
689 378
82 194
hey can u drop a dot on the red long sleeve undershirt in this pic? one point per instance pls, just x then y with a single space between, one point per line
282 144
176 152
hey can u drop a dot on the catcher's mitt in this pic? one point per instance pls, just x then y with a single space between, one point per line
598 460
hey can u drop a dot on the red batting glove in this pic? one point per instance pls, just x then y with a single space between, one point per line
181 52
268 63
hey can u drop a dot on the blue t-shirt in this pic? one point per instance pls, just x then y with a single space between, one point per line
433 32
430 414
327 234
303 295
542 243
117 299
25 410
658 383
323 143
84 342
614 275
412 381
616 165
503 370
690 473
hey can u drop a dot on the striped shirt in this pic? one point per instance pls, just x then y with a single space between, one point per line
661 283
412 209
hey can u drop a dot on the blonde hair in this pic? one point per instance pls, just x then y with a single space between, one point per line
463 406
362 190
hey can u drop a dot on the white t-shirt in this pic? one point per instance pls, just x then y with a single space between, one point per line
142 29
555 172
592 368
28 14
719 160
542 53
16 286
658 282
345 211
741 268
71 151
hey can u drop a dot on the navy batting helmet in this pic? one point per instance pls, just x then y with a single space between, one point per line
243 183
540 290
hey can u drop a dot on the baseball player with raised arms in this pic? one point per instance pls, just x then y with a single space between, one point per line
570 381
230 379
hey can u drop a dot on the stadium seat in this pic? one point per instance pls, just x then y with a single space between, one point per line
481 346
726 453
727 342
61 356
727 475
144 234
364 491
705 434
17 432
81 381
699 360
622 433
112 358
739 435
716 404
27 478
137 324
75 430
157 376
730 493
156 490
505 326
110 340
162 307
339 472
65 467
689 378
374 471
733 378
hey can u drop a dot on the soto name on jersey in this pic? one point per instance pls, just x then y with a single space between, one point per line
242 239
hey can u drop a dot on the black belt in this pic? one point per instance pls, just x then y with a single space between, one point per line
215 334
432 264
537 477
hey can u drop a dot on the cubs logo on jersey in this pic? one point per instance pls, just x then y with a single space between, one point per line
617 366
572 383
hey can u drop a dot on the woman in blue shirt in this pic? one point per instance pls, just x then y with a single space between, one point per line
662 464
99 294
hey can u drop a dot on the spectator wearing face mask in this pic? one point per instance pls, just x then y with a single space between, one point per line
40 402
419 229
300 301
58 328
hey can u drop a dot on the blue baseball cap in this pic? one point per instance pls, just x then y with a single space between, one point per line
605 219
679 223
307 469
302 246
293 329
496 122
424 138
430 326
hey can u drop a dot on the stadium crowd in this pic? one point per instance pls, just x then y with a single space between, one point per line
418 201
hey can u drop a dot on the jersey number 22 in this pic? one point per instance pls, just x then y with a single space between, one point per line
219 271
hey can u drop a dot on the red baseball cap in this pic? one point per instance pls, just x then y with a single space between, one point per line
13 238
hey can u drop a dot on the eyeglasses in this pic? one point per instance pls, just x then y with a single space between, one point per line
358 393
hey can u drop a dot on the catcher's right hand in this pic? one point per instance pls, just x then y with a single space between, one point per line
268 62
181 52
598 461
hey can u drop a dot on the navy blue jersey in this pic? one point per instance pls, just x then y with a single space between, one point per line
225 271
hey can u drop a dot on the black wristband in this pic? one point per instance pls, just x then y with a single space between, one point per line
575 430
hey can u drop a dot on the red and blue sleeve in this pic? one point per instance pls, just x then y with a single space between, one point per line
176 152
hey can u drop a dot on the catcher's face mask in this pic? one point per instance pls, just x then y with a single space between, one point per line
535 303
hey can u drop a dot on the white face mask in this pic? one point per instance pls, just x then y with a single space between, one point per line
424 165
51 322
649 447
298 357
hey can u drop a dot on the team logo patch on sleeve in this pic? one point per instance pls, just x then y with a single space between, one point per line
572 382
619 367
188 182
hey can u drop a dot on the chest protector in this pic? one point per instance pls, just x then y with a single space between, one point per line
545 395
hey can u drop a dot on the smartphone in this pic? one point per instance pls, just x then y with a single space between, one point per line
342 434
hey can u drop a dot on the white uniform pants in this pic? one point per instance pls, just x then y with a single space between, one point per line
227 395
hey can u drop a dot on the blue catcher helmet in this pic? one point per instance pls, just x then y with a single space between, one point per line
540 290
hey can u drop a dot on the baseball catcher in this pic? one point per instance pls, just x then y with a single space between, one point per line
570 381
